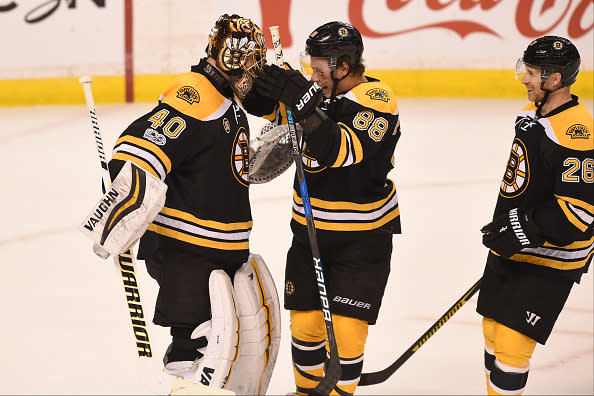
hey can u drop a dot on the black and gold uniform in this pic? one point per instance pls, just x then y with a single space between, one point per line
549 175
196 141
354 204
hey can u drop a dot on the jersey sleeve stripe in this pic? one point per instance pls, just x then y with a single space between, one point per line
138 161
153 148
571 216
146 156
560 257
342 150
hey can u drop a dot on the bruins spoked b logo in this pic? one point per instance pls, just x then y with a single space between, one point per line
517 173
240 158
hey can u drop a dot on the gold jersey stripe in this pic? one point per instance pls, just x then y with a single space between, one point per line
246 225
343 205
138 161
332 226
573 219
151 147
551 262
578 202
194 240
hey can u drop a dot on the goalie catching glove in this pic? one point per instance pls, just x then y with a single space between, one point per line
124 213
511 232
290 87
271 153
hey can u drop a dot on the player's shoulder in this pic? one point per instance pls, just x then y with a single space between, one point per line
194 95
572 128
376 95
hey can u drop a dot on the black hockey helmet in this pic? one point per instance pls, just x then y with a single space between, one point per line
553 54
232 40
333 40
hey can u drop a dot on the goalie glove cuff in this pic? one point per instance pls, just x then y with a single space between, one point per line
124 213
511 232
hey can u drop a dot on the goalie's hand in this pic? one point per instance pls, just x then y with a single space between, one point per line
511 232
290 87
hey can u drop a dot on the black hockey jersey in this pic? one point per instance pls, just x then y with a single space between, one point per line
346 169
550 175
196 141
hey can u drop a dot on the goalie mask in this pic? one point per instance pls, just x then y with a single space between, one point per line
551 54
239 48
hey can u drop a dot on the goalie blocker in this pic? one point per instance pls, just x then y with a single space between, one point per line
243 336
126 210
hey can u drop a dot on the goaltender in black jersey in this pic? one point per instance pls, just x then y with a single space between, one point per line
183 169
541 238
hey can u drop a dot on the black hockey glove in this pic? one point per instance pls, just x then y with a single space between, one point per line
290 87
511 232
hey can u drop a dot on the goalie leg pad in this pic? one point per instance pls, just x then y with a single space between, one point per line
124 213
259 314
222 332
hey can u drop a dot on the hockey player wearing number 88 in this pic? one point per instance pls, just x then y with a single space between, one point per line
349 143
541 238
181 173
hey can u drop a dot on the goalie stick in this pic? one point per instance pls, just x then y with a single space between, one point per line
332 370
125 261
380 376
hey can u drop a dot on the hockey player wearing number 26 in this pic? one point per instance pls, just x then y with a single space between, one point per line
183 170
349 145
540 239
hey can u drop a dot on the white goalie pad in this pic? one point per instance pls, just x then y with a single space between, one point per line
209 375
271 153
260 328
124 213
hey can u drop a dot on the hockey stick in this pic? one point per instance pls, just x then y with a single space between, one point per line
332 371
125 261
380 376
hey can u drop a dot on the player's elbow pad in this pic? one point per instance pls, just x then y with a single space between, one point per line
124 213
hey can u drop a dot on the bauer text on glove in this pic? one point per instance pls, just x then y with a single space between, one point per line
290 87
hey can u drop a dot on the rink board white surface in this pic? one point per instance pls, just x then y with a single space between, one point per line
65 326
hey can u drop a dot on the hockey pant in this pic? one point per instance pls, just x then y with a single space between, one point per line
507 358
309 350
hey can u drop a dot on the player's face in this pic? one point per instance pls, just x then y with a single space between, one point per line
322 75
532 80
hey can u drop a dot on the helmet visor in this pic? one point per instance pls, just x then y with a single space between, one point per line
520 69
320 66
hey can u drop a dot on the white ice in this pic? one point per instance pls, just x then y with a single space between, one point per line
65 327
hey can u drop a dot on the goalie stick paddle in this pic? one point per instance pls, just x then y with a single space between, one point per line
380 376
332 370
125 261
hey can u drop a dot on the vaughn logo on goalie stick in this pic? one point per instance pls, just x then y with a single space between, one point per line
101 209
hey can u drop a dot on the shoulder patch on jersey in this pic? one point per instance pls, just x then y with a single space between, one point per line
375 95
572 128
378 94
578 131
193 94
189 94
